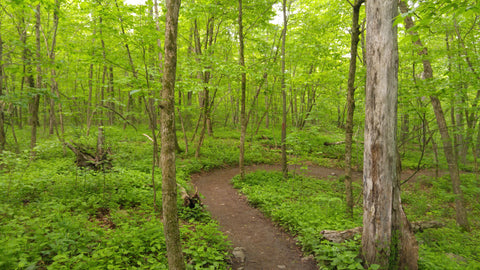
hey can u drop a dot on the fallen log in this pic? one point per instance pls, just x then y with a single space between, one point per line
333 143
420 226
342 236
338 143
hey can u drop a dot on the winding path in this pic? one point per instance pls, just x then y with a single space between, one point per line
266 246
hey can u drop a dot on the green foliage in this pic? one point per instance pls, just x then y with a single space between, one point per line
223 151
54 215
449 248
431 198
205 247
309 144
339 256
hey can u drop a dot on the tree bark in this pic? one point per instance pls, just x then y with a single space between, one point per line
38 84
2 104
284 96
130 102
204 97
461 213
105 73
243 120
90 112
387 236
111 96
355 37
167 155
54 84
152 117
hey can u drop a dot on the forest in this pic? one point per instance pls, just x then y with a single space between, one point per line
131 131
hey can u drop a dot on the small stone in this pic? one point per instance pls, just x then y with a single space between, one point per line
456 257
239 254
281 267
308 258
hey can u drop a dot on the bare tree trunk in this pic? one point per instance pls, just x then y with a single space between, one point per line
90 87
243 120
461 213
130 103
167 160
105 73
38 85
284 96
2 104
159 42
310 102
111 95
54 84
405 129
465 141
185 139
387 236
152 117
204 97
355 37
204 114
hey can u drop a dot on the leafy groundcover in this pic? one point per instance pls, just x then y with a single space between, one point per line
54 215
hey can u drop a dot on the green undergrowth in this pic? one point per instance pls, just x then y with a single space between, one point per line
86 220
305 206
430 198
54 215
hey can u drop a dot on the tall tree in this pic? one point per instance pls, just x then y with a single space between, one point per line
130 102
2 104
243 88
452 160
38 84
167 154
387 238
90 111
53 81
355 37
284 94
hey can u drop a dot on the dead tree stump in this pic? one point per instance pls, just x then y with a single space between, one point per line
87 157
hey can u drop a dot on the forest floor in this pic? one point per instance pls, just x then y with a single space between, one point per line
264 245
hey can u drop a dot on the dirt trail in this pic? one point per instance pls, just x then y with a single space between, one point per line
266 245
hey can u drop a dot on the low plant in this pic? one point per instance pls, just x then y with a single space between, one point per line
54 215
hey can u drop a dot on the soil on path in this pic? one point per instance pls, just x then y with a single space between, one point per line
266 246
